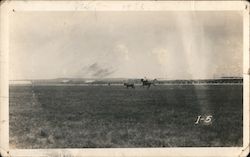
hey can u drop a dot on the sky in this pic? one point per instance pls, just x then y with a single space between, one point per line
152 44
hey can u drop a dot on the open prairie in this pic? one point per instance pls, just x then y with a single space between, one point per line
113 116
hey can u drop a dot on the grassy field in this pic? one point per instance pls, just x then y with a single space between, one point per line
113 116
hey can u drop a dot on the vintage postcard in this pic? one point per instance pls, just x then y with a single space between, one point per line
124 78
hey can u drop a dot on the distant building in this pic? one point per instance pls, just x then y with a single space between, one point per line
64 81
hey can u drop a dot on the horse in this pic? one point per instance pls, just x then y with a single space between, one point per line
131 85
147 83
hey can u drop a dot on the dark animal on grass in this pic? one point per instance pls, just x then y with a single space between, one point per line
147 83
44 132
129 85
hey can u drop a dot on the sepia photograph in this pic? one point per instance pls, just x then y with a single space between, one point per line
126 79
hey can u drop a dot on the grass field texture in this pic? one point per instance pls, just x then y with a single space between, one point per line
113 116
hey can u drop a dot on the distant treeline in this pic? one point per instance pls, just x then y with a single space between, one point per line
137 81
201 81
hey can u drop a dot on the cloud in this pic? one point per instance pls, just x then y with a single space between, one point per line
122 51
161 55
97 70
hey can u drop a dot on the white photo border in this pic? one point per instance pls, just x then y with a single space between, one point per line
8 7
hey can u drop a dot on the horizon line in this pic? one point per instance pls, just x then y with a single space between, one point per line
223 77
